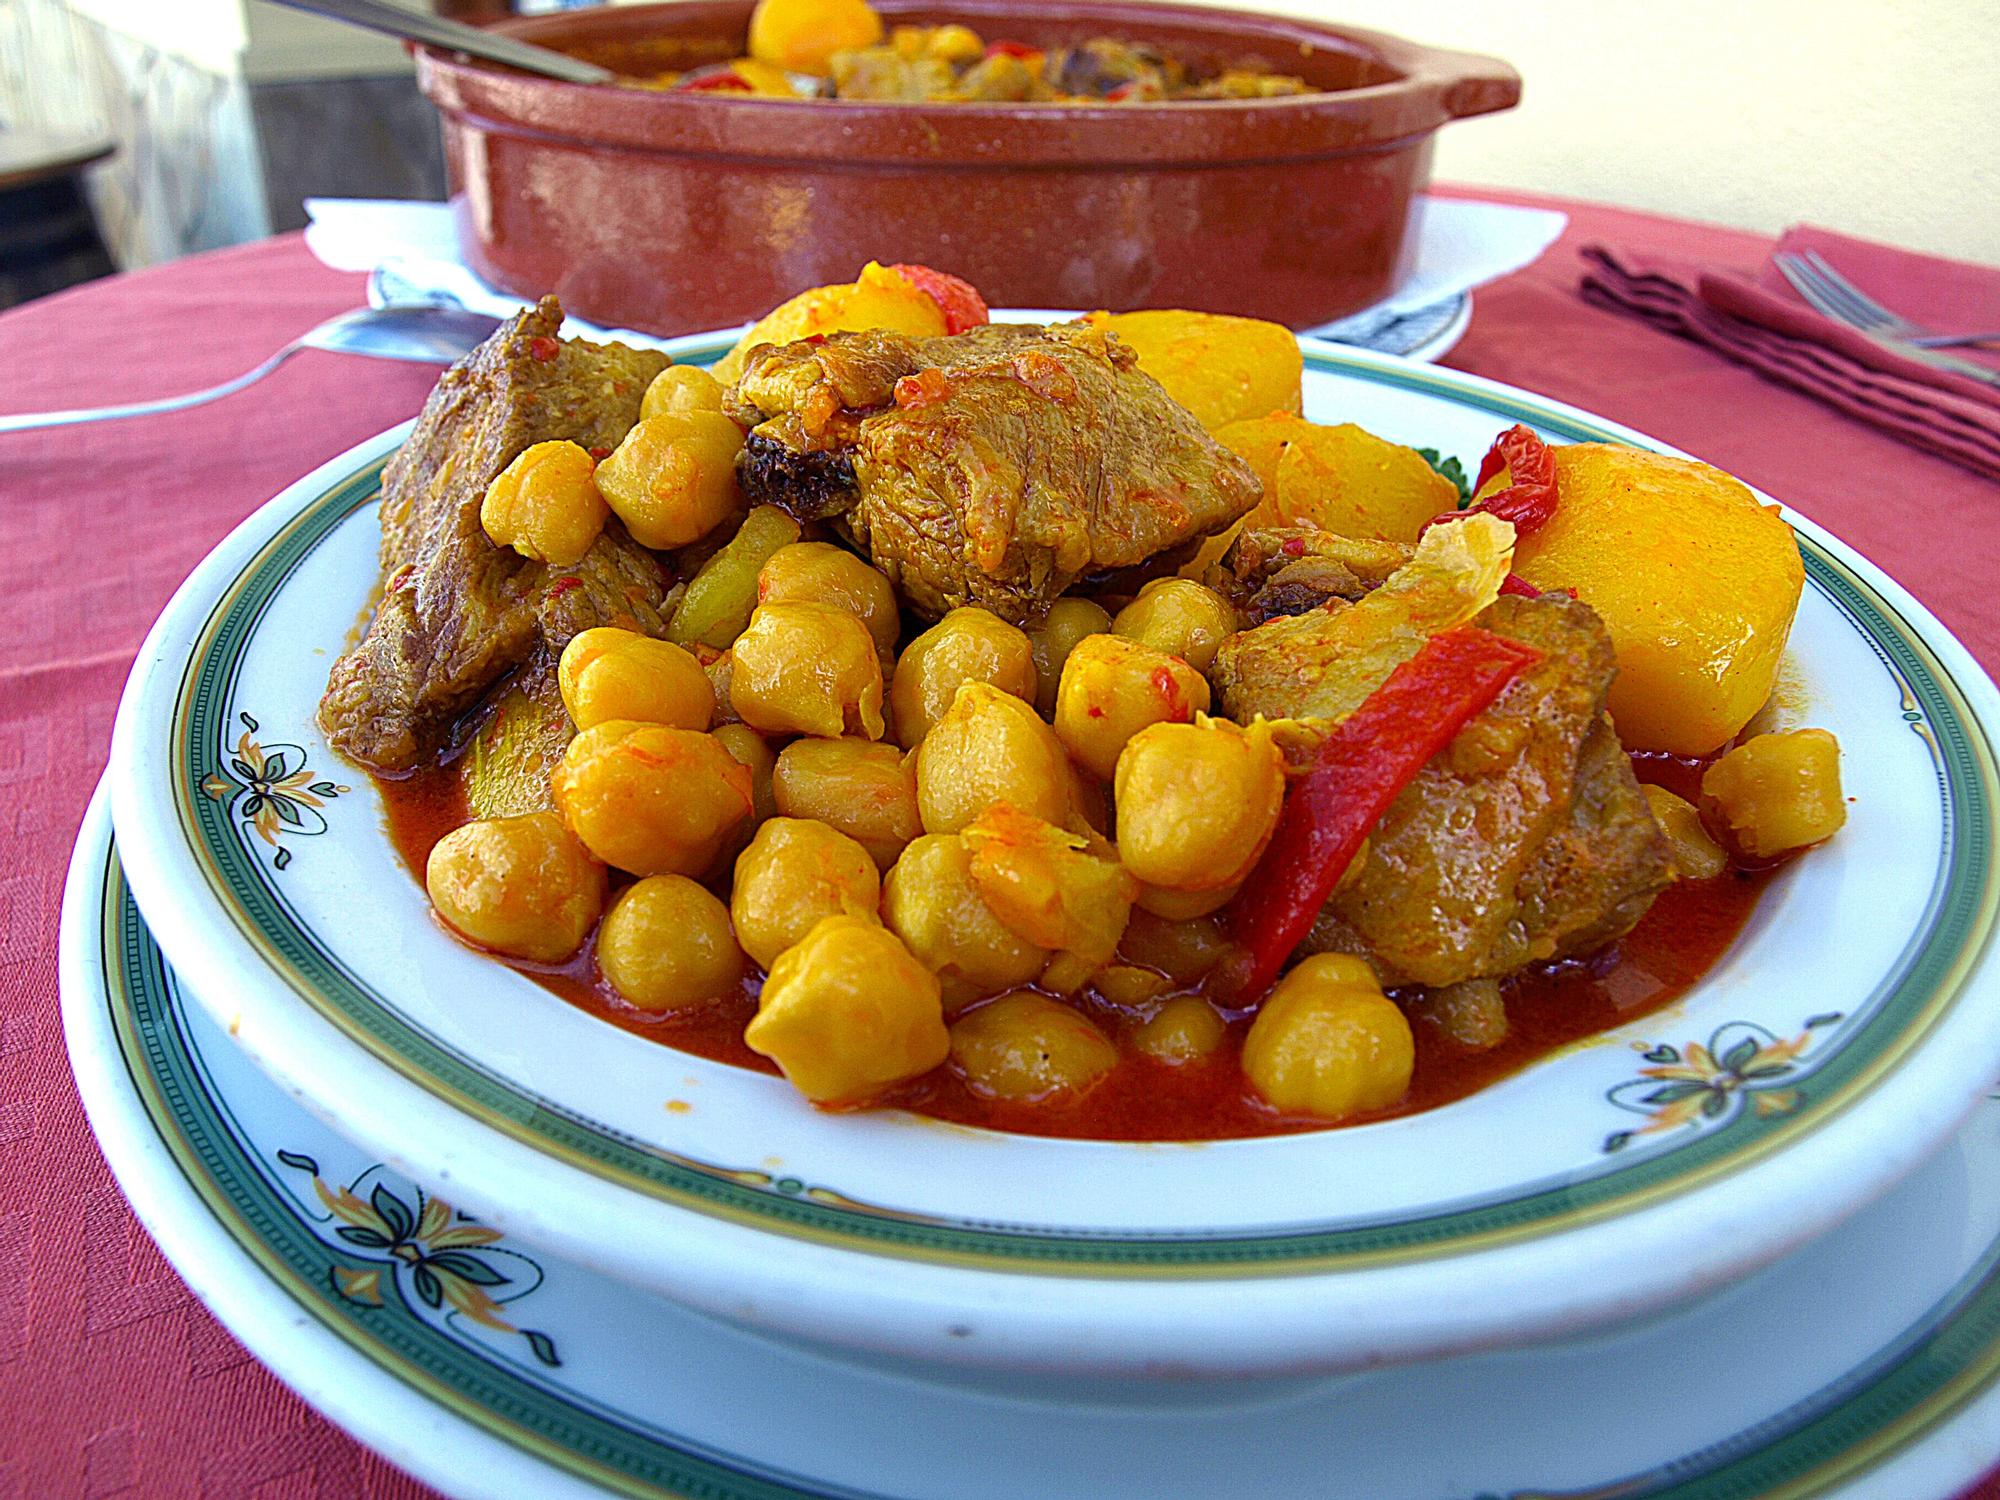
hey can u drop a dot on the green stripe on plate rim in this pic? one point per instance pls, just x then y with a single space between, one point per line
1947 1359
1957 926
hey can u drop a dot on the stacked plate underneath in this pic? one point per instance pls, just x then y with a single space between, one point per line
1743 1246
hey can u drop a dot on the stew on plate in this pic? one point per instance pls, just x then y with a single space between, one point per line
1049 729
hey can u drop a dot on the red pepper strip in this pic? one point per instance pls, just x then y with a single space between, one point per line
961 305
715 83
1530 497
1362 767
1011 49
1515 584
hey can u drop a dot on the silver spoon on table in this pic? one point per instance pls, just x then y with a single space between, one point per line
424 335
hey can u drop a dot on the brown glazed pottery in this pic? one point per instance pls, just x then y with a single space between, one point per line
670 212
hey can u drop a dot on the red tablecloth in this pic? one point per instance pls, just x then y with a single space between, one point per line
112 1379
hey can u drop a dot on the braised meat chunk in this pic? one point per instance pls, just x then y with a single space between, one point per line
996 467
1528 839
457 612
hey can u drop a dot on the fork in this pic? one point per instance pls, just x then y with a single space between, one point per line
426 335
1832 294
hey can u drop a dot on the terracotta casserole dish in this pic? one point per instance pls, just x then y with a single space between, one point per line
668 212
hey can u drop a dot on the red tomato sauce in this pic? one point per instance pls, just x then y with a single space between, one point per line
1689 928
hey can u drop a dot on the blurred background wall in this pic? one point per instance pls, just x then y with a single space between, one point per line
1878 118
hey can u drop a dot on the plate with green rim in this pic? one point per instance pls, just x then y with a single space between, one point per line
1866 1366
1838 1042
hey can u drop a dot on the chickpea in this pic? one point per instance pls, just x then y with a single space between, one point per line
666 945
930 902
849 1012
967 645
1328 1042
545 504
821 573
801 36
1180 617
1696 855
866 790
521 886
1067 622
795 872
989 747
1184 1030
608 673
747 746
681 388
1128 987
673 479
1472 1012
649 798
1089 809
1179 906
1049 886
1197 802
1028 1048
1112 688
807 669
1181 950
719 667
1778 792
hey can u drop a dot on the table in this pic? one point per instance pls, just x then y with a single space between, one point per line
112 1379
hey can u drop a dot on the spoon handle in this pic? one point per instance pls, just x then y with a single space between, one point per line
436 31
28 420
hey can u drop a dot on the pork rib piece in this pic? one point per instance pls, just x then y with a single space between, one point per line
1526 839
996 467
458 613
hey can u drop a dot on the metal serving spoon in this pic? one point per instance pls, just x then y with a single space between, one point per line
456 36
425 335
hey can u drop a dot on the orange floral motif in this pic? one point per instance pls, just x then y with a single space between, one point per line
271 789
437 1249
1707 1081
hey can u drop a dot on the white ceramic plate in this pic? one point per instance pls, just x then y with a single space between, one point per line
1862 1366
1840 1041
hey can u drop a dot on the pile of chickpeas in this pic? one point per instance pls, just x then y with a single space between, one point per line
929 853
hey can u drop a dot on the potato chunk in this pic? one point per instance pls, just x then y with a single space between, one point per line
1778 792
1223 369
1029 1049
1695 579
879 298
849 1012
520 886
1341 479
1328 1042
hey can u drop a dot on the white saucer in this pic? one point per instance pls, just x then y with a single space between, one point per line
1864 1365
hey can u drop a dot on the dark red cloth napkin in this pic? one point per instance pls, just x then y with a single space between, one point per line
1761 322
